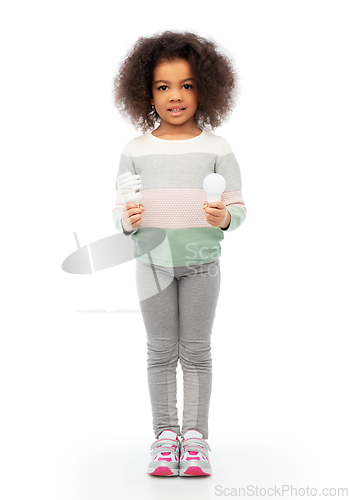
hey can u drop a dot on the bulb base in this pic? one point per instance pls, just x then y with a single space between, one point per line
213 197
132 198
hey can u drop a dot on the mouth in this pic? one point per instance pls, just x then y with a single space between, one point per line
176 111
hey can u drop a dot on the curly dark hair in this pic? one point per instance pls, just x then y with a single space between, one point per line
214 71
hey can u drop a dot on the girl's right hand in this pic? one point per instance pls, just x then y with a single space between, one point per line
132 216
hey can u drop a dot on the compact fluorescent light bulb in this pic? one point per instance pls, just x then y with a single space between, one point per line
130 185
214 185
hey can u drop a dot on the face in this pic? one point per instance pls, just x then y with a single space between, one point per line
174 93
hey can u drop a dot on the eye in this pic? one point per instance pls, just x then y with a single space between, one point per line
162 87
187 86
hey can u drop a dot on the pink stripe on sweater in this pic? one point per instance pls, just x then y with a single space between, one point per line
178 208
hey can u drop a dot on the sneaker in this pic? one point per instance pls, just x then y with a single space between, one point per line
165 455
193 454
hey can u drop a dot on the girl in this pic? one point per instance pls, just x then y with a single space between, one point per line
185 84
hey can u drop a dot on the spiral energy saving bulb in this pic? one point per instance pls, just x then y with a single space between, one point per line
214 185
130 185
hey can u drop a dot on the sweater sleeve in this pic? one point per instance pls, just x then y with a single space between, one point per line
125 165
228 167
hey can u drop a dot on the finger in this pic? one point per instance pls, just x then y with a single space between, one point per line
213 224
130 205
134 211
134 219
214 212
214 219
216 204
209 219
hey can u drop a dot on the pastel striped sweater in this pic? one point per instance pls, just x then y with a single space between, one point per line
172 174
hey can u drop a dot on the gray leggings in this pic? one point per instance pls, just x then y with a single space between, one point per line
178 305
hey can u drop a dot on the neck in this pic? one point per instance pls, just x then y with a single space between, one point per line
185 131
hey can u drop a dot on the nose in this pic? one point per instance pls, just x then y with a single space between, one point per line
176 96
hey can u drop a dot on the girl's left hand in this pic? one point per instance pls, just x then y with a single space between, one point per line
217 214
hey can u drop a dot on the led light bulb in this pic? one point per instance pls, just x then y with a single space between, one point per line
214 185
130 185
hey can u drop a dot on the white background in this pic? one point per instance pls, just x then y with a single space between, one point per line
75 419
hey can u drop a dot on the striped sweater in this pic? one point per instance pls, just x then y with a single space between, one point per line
172 174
